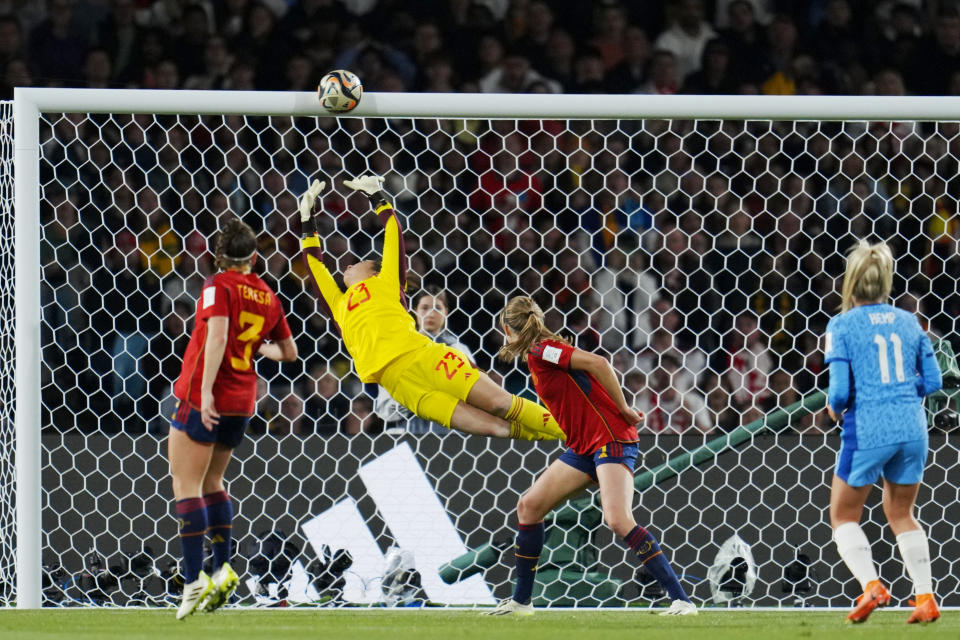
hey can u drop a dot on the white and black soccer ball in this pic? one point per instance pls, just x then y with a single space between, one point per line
340 91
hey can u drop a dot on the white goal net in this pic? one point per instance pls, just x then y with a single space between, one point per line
702 256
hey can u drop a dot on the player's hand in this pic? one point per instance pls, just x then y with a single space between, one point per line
832 414
309 199
209 415
632 416
368 184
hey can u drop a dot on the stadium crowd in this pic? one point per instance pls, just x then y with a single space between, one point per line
700 256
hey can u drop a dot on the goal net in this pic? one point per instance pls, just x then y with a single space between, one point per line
701 253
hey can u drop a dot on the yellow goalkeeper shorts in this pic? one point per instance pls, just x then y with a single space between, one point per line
430 381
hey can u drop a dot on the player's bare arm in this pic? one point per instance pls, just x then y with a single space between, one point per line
600 369
215 345
282 351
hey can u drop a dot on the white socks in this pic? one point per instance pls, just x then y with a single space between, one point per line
854 549
915 552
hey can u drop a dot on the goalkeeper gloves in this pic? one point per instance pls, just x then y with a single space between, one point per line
307 202
371 185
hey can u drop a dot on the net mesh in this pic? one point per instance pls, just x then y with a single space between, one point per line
7 357
701 256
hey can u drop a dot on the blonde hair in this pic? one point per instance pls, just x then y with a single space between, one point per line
524 317
869 275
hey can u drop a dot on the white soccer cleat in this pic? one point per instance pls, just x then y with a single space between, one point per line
193 594
225 581
680 608
368 184
510 607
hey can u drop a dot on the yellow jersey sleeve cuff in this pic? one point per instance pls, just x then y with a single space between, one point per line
310 242
383 207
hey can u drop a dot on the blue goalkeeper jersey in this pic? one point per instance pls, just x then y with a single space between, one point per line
881 366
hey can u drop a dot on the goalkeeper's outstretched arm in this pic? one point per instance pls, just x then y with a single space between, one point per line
326 288
394 260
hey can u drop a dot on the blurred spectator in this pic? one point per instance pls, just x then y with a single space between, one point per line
97 72
328 405
929 69
217 62
11 39
661 74
16 73
687 37
120 36
750 365
747 41
56 47
629 73
514 75
361 418
714 76
611 25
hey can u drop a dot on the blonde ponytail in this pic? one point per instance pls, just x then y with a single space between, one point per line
525 319
869 275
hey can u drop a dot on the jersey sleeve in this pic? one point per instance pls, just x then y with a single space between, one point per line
556 355
931 379
394 264
214 300
834 345
326 287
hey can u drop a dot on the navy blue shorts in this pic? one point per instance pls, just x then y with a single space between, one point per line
228 431
612 452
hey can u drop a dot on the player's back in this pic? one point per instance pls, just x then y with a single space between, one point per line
576 399
254 314
884 346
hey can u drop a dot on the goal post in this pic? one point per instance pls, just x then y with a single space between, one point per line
667 151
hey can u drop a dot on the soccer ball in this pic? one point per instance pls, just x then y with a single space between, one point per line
339 91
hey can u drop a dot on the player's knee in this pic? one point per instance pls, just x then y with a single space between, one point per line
620 523
529 509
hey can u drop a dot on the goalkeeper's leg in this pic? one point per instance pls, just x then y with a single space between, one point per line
528 420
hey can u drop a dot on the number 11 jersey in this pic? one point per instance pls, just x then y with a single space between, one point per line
884 347
254 315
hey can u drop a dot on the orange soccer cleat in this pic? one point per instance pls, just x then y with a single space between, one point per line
875 595
925 611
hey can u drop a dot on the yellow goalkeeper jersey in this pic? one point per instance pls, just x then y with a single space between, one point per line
375 326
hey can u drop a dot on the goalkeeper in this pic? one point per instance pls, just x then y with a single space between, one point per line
433 380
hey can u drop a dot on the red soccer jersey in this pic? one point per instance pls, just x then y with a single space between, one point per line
254 314
584 409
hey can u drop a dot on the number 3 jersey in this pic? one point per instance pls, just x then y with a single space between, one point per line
254 314
887 352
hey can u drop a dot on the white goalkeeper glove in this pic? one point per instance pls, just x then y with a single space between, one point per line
309 199
370 185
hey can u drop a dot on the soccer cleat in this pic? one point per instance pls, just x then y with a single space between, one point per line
875 595
368 184
925 609
510 607
193 594
225 581
680 608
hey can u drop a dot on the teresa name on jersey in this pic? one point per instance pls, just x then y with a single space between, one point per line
256 295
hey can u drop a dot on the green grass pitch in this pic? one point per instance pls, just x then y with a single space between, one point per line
93 624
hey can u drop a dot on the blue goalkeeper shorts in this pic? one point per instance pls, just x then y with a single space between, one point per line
624 453
228 431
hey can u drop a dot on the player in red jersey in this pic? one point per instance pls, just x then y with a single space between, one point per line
216 393
581 390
